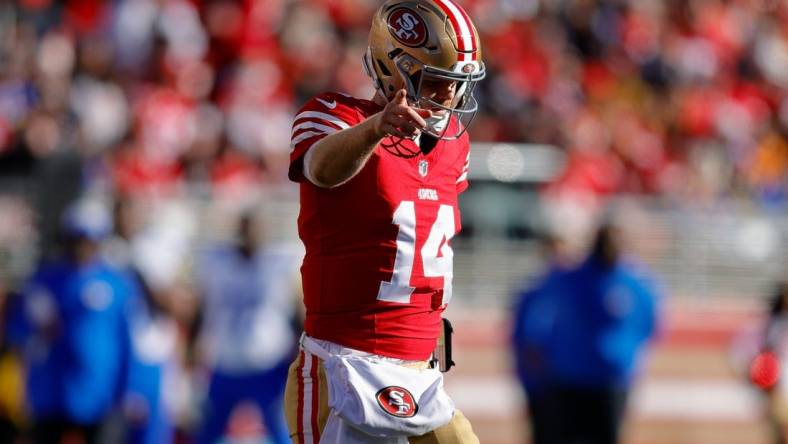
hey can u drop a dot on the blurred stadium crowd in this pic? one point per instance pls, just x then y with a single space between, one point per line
150 100
677 98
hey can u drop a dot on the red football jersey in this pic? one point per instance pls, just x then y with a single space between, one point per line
378 267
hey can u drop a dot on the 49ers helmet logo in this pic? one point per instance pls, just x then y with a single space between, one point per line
397 401
407 27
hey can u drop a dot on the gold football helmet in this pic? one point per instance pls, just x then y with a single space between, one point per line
413 42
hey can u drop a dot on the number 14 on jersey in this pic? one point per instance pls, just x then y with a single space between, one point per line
436 254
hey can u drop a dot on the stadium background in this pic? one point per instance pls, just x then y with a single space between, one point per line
675 112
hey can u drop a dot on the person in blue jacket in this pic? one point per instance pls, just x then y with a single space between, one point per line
71 328
607 311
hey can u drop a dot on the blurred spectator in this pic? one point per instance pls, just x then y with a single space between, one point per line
152 338
534 315
249 294
606 308
72 328
673 98
768 165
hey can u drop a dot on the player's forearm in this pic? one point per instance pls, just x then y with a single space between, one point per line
338 157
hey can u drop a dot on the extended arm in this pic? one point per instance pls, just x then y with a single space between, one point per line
338 157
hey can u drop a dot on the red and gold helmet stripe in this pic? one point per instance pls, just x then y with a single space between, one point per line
463 29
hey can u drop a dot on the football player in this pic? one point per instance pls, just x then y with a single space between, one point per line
379 184
249 293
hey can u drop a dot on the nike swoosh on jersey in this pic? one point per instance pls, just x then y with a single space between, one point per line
330 105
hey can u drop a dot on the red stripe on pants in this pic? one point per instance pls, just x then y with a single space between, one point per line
315 399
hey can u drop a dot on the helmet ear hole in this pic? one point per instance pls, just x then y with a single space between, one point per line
394 52
385 71
415 79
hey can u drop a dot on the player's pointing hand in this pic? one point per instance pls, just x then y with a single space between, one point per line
400 119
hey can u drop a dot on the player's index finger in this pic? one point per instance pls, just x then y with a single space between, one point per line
414 115
422 111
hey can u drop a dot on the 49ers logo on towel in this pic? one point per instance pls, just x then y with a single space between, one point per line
408 27
397 401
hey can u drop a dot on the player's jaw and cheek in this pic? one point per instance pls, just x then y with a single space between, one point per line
439 91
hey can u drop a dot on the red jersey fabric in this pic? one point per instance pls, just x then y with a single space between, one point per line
378 266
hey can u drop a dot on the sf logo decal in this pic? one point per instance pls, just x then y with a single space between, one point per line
407 27
397 401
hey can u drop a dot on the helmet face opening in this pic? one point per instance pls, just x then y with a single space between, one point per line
427 85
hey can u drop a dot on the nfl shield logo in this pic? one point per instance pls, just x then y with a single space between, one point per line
423 167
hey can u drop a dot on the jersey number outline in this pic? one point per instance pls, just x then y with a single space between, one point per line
436 253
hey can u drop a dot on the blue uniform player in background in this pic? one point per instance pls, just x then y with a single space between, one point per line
71 328
249 294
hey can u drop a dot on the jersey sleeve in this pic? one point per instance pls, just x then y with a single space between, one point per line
322 115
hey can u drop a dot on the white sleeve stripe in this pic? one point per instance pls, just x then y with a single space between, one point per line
304 136
328 118
462 177
315 125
